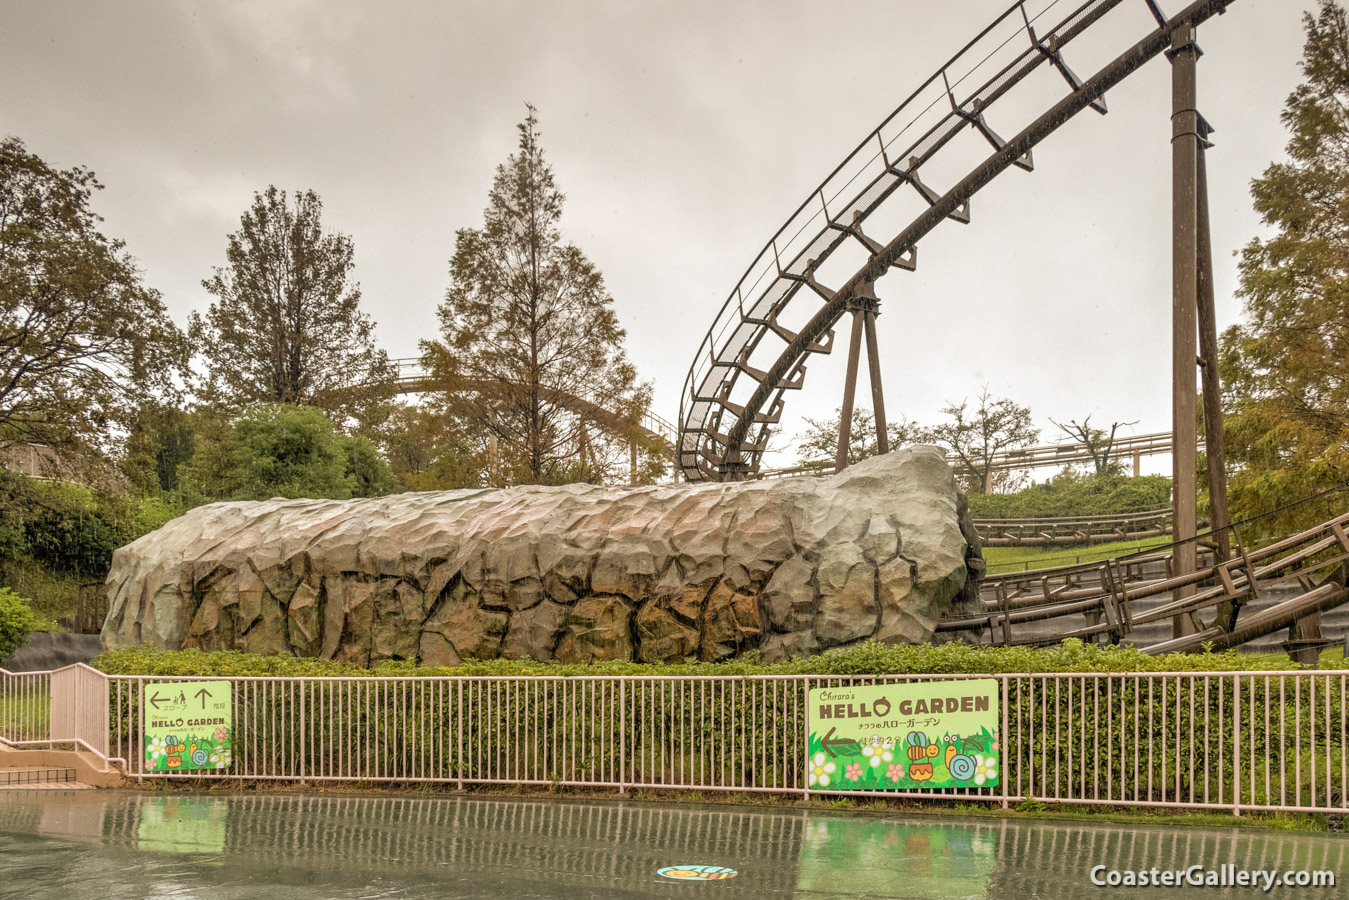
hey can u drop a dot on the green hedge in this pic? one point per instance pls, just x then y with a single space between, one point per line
865 659
1071 494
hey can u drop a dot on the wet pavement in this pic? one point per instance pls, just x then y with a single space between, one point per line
112 845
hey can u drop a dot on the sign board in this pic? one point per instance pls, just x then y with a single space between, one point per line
903 736
188 726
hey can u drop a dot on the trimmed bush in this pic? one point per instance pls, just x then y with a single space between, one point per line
865 659
17 621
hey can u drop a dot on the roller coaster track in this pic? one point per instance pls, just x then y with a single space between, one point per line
1112 599
1073 530
1021 458
412 378
780 313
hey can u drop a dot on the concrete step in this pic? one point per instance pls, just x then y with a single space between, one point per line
42 769
27 778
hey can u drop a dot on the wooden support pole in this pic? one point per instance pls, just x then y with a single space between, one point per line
849 390
1184 55
877 393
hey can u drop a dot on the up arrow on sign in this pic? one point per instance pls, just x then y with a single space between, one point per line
202 694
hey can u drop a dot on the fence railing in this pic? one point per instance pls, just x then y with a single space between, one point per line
1223 740
1204 740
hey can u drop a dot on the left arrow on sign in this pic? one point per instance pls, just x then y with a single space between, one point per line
830 742
156 700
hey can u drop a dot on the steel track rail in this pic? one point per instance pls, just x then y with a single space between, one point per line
715 439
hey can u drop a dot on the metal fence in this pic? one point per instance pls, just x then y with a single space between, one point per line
1203 740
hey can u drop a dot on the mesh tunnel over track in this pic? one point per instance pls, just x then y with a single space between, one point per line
751 356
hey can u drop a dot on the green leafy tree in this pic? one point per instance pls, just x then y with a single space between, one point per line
818 444
82 341
372 474
531 348
279 450
160 439
976 434
286 326
429 449
1287 366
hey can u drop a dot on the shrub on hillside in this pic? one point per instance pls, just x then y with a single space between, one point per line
1073 494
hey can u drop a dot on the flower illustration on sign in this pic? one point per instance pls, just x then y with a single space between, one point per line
877 755
986 769
895 772
220 759
157 748
820 770
220 735
853 772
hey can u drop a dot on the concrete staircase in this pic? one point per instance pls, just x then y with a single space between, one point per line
40 778
65 770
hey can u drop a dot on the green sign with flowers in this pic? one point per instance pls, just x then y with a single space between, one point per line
903 736
188 726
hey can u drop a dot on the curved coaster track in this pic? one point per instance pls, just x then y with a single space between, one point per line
1286 584
412 378
781 313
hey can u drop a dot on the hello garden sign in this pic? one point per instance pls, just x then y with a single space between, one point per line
903 736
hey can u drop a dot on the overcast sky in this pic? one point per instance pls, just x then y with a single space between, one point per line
684 134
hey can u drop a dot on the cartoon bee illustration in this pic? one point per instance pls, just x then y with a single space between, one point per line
919 751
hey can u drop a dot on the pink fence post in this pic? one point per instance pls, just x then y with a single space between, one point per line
304 727
622 734
1002 744
1236 744
805 770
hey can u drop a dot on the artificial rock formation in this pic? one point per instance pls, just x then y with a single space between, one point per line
576 573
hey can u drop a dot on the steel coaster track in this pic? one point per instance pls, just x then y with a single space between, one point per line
412 378
724 422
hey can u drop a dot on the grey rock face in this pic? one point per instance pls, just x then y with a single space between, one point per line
576 573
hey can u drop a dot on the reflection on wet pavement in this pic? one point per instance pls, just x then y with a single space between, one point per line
112 845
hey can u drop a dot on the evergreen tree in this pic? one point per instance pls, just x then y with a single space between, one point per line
286 326
1287 366
531 348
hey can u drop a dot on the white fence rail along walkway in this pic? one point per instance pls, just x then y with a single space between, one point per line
1225 740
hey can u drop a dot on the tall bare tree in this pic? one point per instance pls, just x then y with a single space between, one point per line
286 326
1096 440
531 347
976 435
82 341
819 442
